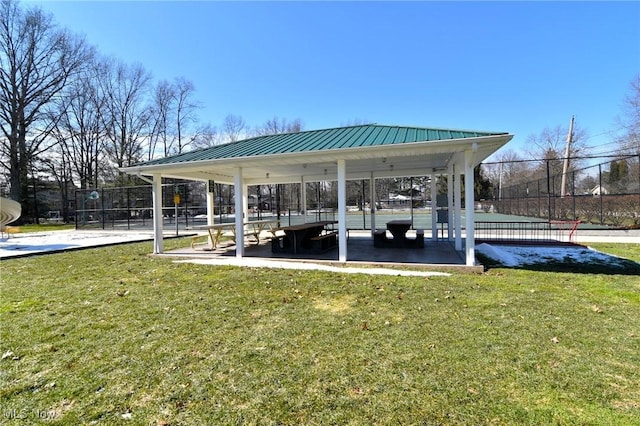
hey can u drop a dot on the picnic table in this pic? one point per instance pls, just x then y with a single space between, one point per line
398 229
252 227
311 236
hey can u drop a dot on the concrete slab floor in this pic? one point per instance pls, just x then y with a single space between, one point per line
439 255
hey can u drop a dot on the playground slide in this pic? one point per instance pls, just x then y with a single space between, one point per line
9 211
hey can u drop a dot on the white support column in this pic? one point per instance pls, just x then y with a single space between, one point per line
156 188
457 206
434 207
450 201
245 203
469 209
240 202
372 202
342 211
211 201
210 206
303 195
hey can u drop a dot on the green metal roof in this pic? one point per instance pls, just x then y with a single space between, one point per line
369 135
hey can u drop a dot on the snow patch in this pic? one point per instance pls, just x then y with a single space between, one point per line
498 254
518 256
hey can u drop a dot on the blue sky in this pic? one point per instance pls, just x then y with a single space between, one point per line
500 66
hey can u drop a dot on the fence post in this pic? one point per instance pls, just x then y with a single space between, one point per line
176 203
600 196
186 205
573 193
548 192
364 214
102 208
259 190
220 195
75 201
278 202
539 199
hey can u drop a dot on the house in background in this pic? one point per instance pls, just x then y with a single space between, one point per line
599 190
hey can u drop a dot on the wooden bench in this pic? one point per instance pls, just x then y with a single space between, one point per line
9 230
420 238
276 232
380 238
280 243
325 242
195 238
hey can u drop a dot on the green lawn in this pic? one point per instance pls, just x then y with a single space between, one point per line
113 336
46 227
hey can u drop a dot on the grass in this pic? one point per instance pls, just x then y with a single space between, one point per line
625 250
43 227
113 336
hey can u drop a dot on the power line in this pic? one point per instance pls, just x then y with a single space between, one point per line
606 132
610 132
579 157
619 150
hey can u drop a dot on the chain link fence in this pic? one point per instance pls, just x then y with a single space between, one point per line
606 193
185 205
132 207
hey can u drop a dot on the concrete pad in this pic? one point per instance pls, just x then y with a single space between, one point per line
32 243
264 263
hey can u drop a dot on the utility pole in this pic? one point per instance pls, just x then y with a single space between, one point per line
565 167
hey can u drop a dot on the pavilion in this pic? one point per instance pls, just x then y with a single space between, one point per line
338 154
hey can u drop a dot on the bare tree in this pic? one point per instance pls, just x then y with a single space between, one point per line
355 122
162 119
233 127
550 145
59 167
629 142
277 125
126 89
36 61
80 129
509 168
185 111
205 137
78 154
551 142
172 113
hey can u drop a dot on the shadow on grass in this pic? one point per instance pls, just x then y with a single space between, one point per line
613 266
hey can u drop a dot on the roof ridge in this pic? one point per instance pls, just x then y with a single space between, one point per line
342 137
441 129
398 126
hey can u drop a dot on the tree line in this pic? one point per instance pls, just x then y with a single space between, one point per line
71 114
